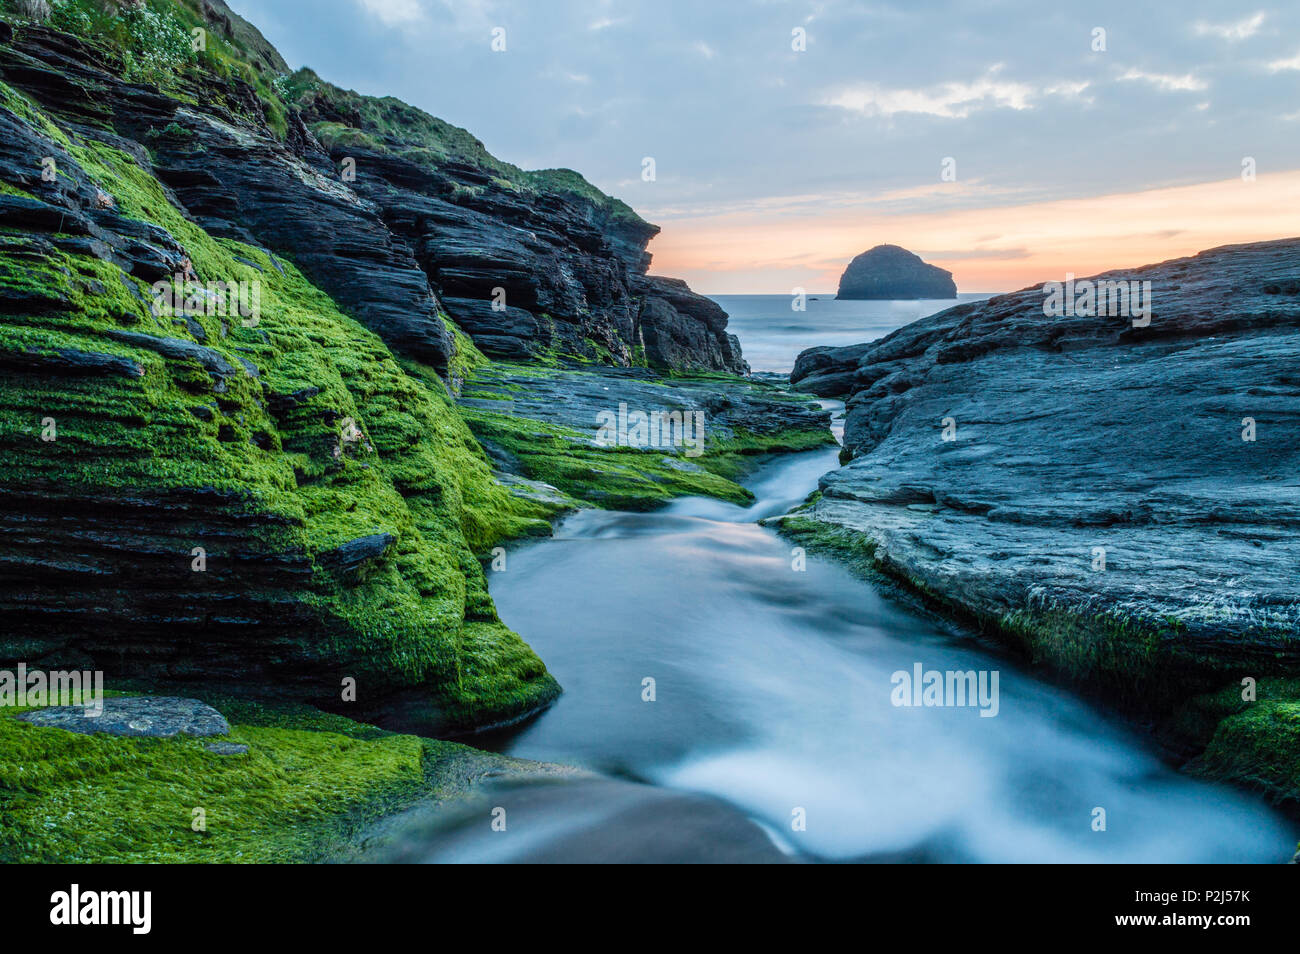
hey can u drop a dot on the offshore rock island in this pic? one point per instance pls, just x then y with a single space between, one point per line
891 273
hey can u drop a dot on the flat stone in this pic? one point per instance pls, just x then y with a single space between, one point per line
135 716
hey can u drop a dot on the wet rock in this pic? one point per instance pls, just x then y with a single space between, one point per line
70 361
348 558
1134 483
681 329
577 397
135 716
178 348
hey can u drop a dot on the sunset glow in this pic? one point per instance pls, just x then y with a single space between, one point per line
1004 247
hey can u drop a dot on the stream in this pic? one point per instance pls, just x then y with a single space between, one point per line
772 734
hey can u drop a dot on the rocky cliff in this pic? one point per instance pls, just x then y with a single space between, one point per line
527 263
1116 493
892 273
228 327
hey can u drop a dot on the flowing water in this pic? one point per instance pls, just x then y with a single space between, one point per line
773 693
773 733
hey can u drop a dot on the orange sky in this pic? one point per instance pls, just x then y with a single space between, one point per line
774 246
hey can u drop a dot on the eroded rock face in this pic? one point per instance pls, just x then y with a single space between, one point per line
524 269
162 474
1123 497
889 272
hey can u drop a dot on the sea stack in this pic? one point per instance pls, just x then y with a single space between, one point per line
891 272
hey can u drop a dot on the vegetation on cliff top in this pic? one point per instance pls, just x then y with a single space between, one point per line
153 42
386 124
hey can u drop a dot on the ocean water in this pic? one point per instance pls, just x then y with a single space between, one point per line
772 334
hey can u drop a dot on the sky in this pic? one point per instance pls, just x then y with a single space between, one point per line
1009 142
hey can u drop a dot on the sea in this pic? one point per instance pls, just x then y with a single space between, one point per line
772 332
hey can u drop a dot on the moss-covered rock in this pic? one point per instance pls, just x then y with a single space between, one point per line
545 424
307 785
132 440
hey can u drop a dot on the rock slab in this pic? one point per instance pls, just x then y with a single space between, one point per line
1130 489
155 717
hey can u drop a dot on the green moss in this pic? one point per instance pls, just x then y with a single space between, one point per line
624 478
614 478
22 107
307 785
855 550
466 359
1252 743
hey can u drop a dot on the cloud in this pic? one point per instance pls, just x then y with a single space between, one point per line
1277 66
955 100
1185 82
1084 235
1239 30
394 12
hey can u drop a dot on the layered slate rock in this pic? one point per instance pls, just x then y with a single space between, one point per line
237 179
1085 437
892 273
577 399
528 263
573 435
